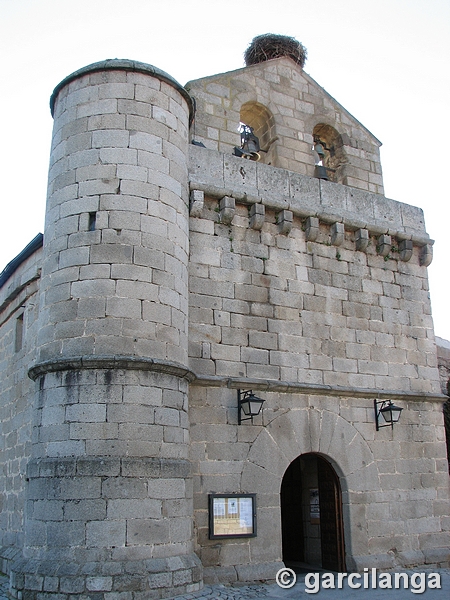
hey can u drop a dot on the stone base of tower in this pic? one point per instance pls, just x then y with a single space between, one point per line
109 506
101 525
251 573
153 578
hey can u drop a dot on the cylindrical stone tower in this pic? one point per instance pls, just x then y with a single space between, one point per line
109 494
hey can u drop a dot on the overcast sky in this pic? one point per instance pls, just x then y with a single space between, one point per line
386 61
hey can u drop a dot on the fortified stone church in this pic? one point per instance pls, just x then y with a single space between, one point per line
206 248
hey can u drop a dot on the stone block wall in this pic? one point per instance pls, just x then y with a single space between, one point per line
443 355
126 410
111 347
115 266
297 109
147 320
307 293
300 302
109 486
19 309
395 484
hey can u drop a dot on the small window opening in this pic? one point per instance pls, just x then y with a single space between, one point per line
92 219
19 333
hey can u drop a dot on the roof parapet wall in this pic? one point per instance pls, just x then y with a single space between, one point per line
218 174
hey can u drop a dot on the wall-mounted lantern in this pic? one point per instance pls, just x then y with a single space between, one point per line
389 412
248 404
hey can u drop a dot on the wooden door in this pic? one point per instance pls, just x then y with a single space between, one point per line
331 524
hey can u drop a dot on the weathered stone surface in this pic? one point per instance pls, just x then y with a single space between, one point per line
311 293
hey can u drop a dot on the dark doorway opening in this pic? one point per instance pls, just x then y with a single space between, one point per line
311 514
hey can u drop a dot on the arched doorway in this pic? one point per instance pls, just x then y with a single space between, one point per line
311 514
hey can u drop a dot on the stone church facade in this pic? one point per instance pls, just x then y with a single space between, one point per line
174 274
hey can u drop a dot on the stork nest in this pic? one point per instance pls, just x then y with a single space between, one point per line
271 45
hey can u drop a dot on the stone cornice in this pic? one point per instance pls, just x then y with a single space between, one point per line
218 175
268 385
351 224
290 387
110 362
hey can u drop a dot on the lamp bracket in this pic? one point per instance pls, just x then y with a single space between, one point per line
383 405
247 398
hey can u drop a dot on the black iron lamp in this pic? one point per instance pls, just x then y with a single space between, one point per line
248 404
388 410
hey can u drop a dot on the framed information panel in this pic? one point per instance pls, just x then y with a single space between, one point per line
232 515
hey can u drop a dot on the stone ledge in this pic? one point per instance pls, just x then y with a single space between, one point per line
110 362
171 368
351 224
290 387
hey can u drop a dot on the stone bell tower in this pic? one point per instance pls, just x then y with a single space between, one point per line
109 495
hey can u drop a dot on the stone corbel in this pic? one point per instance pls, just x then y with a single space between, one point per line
362 239
285 219
337 234
227 209
312 229
384 245
197 201
426 255
257 216
405 249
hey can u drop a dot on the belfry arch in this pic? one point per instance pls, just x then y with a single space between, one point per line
334 157
261 120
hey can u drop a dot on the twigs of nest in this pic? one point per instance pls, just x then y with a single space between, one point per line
270 45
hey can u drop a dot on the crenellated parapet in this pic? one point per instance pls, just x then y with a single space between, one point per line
392 227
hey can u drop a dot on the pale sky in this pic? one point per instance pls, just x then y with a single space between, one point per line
386 61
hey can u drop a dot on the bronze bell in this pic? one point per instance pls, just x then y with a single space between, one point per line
251 148
249 144
320 172
318 147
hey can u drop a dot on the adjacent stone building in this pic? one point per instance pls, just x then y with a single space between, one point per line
173 274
